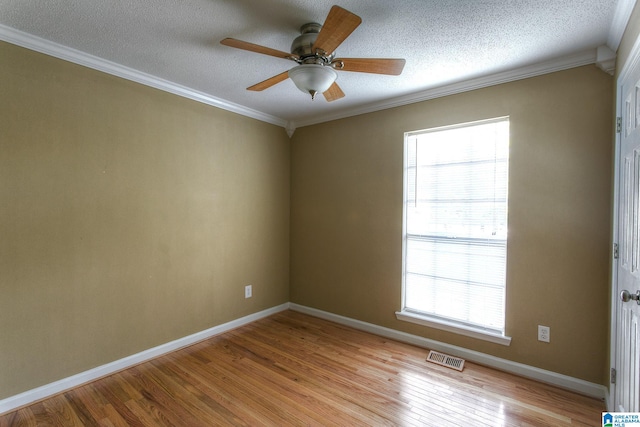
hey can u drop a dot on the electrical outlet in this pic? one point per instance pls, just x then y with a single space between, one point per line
544 333
248 291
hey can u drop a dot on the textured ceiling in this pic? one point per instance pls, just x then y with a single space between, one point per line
443 41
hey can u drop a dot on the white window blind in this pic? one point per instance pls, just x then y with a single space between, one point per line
456 223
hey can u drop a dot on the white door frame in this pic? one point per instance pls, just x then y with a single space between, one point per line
612 400
632 61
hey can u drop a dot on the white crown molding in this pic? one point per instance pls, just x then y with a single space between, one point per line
28 397
290 128
606 59
559 64
632 63
29 41
621 17
570 383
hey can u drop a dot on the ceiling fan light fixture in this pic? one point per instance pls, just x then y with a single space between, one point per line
313 78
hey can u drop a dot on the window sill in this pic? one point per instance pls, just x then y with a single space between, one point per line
453 327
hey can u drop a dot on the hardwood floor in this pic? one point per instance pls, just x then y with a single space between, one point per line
293 369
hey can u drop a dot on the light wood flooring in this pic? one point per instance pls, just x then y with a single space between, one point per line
293 369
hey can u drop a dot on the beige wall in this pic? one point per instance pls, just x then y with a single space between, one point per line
129 217
346 215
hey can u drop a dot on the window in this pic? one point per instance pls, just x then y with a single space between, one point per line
455 230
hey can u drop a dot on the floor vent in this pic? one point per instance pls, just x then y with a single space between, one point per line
446 360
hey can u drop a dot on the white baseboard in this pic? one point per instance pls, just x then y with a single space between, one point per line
574 384
570 383
36 394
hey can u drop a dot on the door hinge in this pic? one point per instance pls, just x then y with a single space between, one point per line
618 124
616 252
613 375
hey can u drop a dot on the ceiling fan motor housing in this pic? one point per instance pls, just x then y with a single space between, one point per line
303 46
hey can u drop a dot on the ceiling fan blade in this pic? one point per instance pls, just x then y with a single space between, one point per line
269 82
334 92
336 28
239 44
392 67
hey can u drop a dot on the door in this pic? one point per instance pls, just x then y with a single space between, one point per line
627 282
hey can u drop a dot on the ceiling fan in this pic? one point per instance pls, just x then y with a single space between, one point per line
314 51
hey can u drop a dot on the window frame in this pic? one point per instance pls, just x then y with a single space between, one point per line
425 319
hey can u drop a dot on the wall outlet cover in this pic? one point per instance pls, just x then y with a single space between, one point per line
544 333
